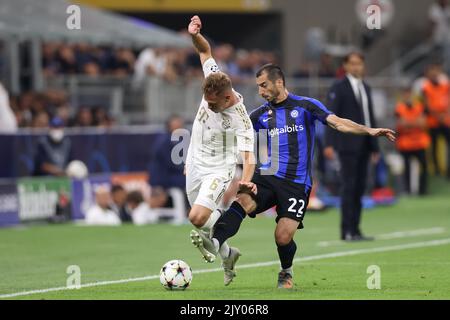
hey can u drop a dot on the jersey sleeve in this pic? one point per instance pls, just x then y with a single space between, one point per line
255 121
255 118
210 66
245 140
318 110
244 131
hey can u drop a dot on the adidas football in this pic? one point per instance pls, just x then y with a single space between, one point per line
176 275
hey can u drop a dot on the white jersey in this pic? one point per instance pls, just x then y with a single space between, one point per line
218 138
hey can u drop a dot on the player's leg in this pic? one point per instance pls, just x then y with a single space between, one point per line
201 217
292 201
202 214
229 223
286 247
202 194
209 196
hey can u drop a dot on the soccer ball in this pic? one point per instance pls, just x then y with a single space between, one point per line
175 275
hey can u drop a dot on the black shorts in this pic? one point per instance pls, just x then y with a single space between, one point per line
290 198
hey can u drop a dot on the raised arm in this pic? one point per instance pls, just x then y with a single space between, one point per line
348 126
200 43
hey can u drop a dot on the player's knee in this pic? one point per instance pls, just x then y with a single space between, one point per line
246 202
197 219
282 238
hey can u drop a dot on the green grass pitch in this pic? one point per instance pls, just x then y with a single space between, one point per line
412 252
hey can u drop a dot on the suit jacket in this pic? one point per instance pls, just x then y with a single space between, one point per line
342 102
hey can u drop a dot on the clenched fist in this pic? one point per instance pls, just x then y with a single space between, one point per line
195 26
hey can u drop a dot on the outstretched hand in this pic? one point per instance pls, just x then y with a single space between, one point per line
195 25
378 132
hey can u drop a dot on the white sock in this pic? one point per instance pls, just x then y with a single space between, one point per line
224 250
289 270
215 215
216 243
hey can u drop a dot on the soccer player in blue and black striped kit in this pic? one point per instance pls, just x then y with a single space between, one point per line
288 122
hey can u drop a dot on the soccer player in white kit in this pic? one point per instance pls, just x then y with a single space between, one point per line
221 132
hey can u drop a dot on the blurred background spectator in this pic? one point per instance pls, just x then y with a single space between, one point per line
413 139
166 172
141 212
169 205
436 96
54 151
100 213
439 16
118 204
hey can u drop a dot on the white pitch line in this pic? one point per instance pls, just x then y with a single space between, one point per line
388 236
250 265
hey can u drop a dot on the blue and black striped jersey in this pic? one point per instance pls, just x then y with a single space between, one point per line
290 129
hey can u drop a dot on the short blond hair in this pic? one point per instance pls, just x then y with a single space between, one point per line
216 83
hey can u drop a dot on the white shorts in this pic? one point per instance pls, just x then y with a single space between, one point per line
207 187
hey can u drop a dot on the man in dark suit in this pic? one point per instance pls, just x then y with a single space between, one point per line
351 98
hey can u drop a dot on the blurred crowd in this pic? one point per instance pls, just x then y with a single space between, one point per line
116 205
423 117
184 64
83 58
36 110
171 64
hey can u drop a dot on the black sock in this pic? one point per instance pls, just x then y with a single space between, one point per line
229 223
286 254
